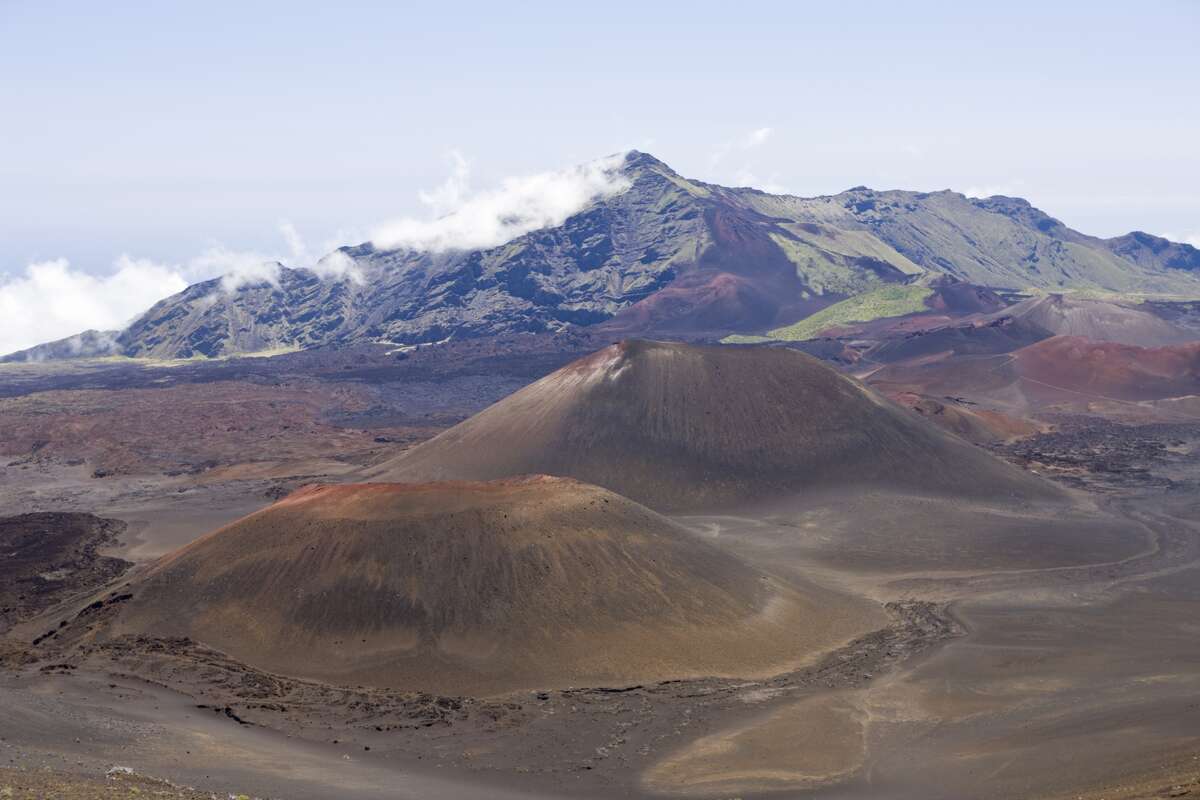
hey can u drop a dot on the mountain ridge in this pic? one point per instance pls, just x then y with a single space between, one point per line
665 255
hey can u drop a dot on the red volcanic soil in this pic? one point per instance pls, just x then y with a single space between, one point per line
982 426
699 303
477 588
191 427
994 377
681 427
741 281
1117 371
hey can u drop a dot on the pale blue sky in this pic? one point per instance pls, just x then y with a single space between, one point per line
160 129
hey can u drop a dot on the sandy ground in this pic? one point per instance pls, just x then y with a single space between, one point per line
1073 680
813 742
162 512
87 725
113 784
1061 679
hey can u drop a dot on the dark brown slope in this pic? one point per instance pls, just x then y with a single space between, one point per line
47 557
1025 323
681 427
476 588
1060 373
971 337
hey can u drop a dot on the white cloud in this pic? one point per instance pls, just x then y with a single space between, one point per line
745 177
50 300
241 268
756 138
236 268
336 265
295 243
1010 189
1192 239
492 217
746 174
747 141
450 196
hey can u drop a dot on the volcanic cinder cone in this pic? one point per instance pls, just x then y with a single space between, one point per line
681 427
477 588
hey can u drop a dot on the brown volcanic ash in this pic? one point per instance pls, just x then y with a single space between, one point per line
1101 320
476 588
679 427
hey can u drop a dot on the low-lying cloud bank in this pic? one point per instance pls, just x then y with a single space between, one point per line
1192 239
463 220
52 300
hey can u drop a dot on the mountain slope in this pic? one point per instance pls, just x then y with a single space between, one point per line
681 427
300 309
664 254
995 241
1155 252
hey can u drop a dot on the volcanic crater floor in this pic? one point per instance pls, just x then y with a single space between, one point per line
1018 650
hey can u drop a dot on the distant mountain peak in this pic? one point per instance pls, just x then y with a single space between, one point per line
637 158
663 254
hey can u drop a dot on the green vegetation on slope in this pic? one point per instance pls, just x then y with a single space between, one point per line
886 301
827 263
852 243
